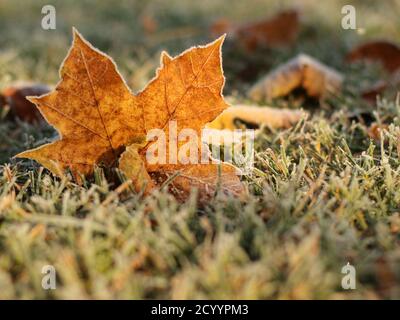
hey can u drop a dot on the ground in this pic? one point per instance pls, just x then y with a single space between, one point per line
323 193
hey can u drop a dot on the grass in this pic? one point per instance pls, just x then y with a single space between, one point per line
323 192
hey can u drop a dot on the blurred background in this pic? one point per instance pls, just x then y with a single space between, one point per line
134 32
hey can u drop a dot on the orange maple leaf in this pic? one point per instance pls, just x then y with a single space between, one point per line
97 116
92 109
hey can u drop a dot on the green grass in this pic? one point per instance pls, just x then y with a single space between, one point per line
323 193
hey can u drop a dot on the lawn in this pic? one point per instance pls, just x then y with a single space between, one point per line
323 192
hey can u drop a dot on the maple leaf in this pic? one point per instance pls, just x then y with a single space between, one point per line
388 55
92 109
382 51
255 116
186 89
280 30
14 97
180 180
277 31
97 115
302 71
